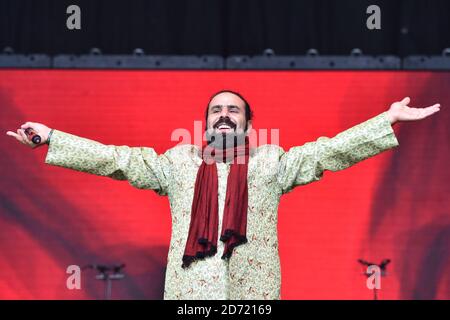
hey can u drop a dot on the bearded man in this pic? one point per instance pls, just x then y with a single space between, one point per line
224 196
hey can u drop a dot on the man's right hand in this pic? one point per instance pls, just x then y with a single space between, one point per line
39 128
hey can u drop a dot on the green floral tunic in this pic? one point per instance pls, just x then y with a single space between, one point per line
253 271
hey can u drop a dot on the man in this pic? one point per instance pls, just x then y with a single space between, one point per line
224 242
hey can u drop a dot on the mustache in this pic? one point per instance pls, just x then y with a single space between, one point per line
224 120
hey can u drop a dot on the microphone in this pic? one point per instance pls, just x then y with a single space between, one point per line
33 136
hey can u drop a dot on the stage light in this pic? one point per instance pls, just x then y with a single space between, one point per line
356 52
95 51
312 52
138 52
268 52
8 50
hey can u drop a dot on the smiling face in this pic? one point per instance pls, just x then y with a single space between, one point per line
226 114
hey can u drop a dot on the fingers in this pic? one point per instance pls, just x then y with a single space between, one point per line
27 125
421 113
405 101
15 135
23 135
433 109
405 113
25 139
436 106
12 134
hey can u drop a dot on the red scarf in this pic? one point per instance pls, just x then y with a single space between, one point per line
203 229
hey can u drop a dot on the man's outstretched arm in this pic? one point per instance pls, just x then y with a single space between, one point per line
307 163
142 167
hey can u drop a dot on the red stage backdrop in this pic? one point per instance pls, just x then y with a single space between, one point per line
395 205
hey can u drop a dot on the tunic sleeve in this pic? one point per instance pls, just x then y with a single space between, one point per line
307 163
141 166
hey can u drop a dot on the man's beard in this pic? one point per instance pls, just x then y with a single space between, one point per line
225 140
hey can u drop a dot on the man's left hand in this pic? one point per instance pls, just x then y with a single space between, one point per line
399 111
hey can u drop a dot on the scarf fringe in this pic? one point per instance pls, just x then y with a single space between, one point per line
226 236
200 255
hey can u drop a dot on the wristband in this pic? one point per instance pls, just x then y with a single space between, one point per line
49 136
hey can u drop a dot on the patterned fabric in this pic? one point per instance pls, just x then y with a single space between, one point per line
253 271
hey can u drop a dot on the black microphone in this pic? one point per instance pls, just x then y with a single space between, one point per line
33 136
